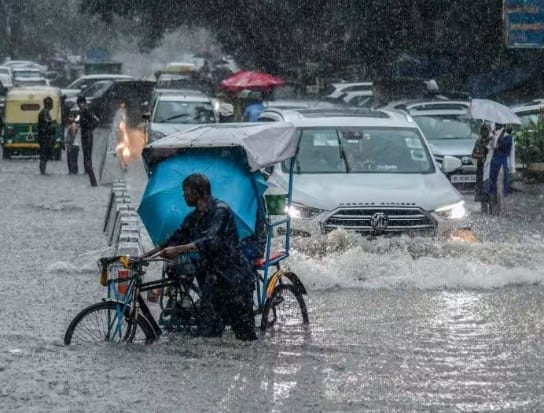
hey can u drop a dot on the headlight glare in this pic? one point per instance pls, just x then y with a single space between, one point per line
454 211
301 211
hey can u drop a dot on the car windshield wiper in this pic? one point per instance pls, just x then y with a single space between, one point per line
343 153
181 115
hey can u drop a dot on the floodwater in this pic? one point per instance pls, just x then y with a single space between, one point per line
397 324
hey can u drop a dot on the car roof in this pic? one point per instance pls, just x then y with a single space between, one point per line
41 90
105 76
429 104
346 117
535 105
349 84
160 91
180 97
295 104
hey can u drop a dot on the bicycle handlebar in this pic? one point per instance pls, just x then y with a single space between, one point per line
144 261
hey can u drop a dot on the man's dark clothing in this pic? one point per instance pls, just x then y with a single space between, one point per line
88 122
226 278
46 137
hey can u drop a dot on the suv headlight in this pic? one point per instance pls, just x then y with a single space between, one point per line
301 211
453 211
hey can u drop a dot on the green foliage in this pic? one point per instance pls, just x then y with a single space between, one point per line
530 142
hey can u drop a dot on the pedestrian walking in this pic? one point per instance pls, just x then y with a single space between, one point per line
479 153
72 142
46 133
88 121
498 165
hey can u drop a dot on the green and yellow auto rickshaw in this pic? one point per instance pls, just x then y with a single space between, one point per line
20 129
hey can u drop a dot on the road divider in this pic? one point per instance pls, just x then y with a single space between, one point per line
122 225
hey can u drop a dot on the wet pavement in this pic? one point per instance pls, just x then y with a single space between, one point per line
397 324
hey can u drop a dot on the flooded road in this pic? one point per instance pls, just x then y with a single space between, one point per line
397 324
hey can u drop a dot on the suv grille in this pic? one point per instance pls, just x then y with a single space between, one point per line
378 220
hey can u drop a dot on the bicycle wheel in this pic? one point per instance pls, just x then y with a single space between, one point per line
285 309
101 322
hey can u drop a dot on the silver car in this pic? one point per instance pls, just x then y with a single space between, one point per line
175 112
449 131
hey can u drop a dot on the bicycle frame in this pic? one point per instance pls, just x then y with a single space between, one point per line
262 293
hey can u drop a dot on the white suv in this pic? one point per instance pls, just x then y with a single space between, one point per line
366 171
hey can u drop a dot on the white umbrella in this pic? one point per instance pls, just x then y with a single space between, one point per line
491 111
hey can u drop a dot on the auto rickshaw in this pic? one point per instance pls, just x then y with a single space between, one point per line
20 129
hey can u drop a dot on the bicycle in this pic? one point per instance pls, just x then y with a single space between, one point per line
124 316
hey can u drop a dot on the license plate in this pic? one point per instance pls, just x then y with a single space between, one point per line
462 178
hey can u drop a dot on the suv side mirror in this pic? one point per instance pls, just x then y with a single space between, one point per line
451 164
146 116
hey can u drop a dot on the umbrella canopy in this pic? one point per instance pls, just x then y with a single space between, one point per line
250 80
163 208
491 111
264 144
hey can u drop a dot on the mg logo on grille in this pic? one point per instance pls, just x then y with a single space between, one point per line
466 160
379 222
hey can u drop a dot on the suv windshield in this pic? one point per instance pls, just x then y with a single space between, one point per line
447 127
362 150
169 111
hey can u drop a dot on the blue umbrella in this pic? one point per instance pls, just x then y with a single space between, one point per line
163 208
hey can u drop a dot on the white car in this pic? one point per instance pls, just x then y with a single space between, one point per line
353 93
449 131
369 172
174 112
529 112
27 76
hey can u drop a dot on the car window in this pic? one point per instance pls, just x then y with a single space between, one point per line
528 119
96 89
385 150
358 88
443 127
362 150
27 73
183 112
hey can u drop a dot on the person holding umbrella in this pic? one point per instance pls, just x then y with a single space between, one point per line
497 168
479 153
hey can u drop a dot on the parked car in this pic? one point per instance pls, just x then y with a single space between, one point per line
13 64
353 94
177 81
84 82
449 131
104 97
529 112
172 112
27 76
366 171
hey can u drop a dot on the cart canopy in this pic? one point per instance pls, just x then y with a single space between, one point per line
264 144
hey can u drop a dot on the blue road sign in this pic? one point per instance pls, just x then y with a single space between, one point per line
524 23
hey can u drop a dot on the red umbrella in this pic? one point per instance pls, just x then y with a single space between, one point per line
250 80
